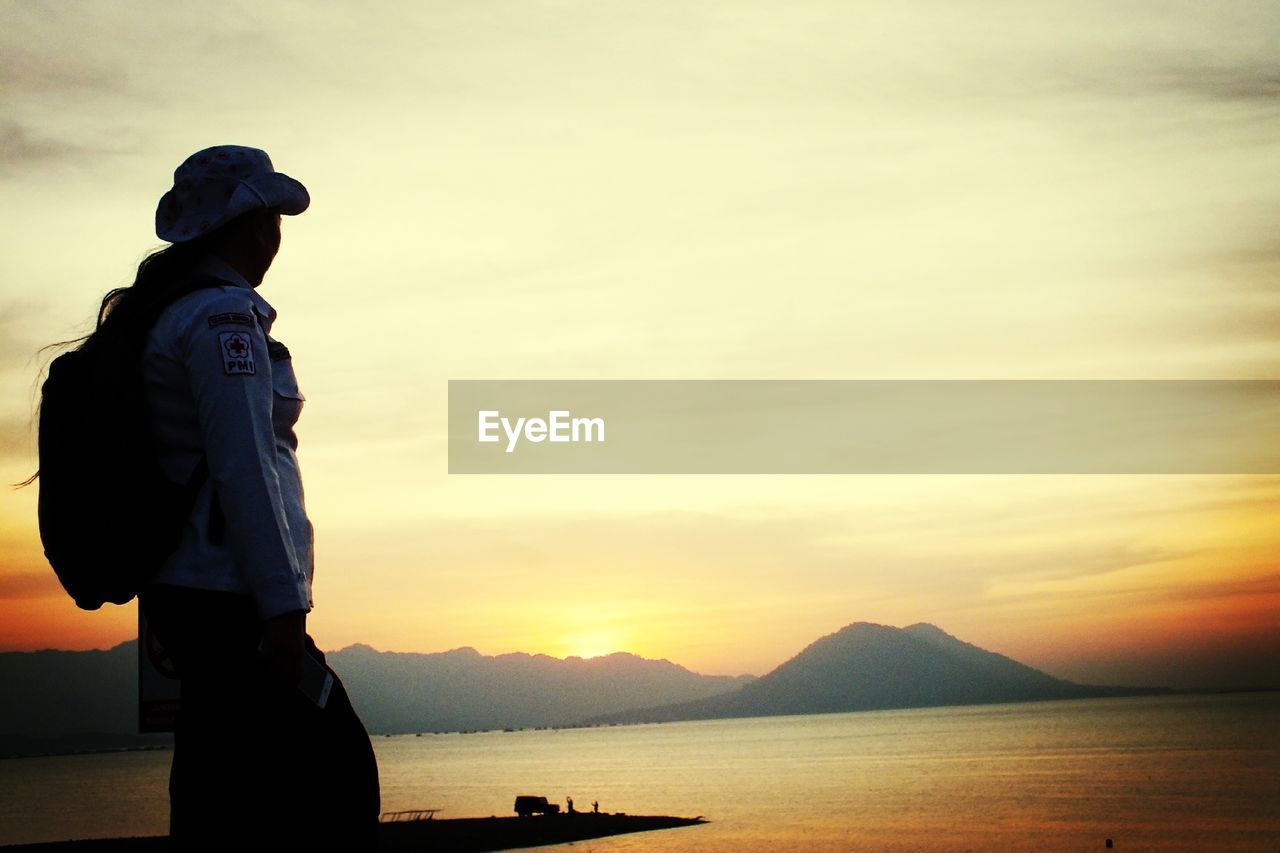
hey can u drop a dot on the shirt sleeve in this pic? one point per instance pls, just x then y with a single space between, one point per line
225 352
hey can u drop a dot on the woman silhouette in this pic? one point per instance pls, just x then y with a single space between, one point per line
267 745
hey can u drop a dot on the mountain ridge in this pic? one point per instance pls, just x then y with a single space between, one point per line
64 696
867 666
72 701
462 690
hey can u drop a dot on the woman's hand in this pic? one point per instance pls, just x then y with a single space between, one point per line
284 644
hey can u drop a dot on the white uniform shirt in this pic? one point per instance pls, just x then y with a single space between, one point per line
218 385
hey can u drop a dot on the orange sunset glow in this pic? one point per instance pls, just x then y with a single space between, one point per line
640 192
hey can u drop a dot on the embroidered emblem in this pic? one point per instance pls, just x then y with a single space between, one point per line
236 351
230 319
277 351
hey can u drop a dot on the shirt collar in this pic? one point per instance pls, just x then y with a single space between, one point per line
220 269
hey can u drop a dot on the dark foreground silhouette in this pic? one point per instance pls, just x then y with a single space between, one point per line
463 835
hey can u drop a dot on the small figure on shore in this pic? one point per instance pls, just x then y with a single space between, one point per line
595 807
570 801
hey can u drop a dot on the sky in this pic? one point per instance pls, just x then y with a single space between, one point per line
710 190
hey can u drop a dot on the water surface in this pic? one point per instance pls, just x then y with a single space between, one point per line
1170 773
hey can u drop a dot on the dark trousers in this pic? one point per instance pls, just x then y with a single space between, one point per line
255 762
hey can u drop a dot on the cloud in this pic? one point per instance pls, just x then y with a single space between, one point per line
1246 81
23 364
16 341
20 146
17 437
48 73
31 65
19 584
1253 266
1251 588
1248 320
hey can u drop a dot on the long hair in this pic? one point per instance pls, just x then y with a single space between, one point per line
125 312
158 274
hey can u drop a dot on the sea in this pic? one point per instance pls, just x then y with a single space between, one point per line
1184 772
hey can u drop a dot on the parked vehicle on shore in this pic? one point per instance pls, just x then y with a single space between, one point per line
528 804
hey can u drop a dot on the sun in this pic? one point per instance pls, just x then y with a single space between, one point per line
591 643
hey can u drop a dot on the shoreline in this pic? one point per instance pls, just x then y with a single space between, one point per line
463 834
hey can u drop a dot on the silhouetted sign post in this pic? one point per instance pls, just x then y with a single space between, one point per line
157 683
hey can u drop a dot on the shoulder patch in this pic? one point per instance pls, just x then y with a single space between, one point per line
230 318
235 349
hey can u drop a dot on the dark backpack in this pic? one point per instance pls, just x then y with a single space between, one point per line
109 518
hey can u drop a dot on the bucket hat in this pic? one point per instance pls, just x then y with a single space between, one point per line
216 185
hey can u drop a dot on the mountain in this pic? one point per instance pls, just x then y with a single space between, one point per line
866 667
64 701
463 689
53 692
58 701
